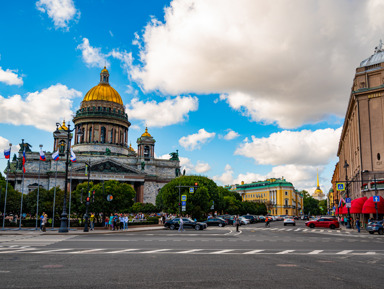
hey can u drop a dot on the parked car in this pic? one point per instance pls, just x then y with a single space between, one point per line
252 219
289 221
375 226
215 222
261 219
305 217
323 223
187 223
228 219
244 221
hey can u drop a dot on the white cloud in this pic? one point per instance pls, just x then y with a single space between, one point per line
226 178
230 135
4 144
92 56
124 57
293 147
60 11
202 167
194 141
40 109
186 164
10 77
241 49
159 114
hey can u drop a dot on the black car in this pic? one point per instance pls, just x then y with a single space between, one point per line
187 223
228 219
215 222
252 219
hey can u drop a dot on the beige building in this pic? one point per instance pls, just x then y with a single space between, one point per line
361 143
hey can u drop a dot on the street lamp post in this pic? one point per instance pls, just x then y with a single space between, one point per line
87 198
64 218
346 165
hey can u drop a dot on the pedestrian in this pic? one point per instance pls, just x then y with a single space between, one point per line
92 221
358 225
111 221
163 219
345 221
106 222
237 224
41 221
44 222
126 222
181 224
121 220
116 222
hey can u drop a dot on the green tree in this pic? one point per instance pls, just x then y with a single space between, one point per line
311 205
13 198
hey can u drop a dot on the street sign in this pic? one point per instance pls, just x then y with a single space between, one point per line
191 190
183 208
183 197
109 198
348 205
183 203
340 186
212 207
348 200
376 199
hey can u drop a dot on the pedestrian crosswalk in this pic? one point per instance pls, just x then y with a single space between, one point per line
32 240
304 230
79 251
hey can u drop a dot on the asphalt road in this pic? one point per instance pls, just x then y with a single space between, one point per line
255 257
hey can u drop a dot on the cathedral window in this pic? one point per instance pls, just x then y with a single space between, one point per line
111 139
102 135
146 152
90 135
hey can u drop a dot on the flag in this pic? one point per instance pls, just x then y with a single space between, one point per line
42 155
55 156
7 153
73 156
24 159
341 200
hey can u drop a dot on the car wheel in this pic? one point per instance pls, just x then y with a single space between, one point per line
312 226
197 227
220 225
294 224
332 227
285 224
370 232
380 231
172 227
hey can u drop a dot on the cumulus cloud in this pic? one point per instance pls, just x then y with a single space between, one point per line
230 135
187 165
10 77
124 57
60 11
241 49
41 109
159 114
202 167
92 56
4 144
194 141
293 147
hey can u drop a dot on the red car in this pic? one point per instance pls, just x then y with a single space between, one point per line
323 223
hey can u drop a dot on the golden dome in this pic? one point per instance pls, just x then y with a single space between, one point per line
105 70
146 133
103 91
63 126
131 148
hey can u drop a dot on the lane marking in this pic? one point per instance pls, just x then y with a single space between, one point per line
49 251
121 251
189 251
289 230
344 252
321 231
305 230
254 252
86 251
15 251
315 252
155 251
297 230
285 252
222 251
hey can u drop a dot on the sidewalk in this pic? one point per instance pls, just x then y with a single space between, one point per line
78 231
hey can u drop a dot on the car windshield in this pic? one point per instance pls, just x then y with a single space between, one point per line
187 220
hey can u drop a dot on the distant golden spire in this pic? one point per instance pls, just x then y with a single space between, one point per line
146 132
318 185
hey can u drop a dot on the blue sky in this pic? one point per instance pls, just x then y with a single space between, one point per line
243 89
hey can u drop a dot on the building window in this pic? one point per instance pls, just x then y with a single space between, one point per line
286 193
90 135
102 135
378 156
286 202
146 152
286 212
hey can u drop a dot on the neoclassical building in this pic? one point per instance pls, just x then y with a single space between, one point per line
103 145
361 144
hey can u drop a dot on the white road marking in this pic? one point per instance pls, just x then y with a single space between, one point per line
15 251
315 252
321 231
49 251
289 230
344 252
121 251
254 252
305 230
155 251
297 230
286 252
189 251
221 252
86 251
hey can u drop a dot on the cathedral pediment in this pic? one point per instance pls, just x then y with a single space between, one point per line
109 166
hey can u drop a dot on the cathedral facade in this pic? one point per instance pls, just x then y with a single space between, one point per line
100 143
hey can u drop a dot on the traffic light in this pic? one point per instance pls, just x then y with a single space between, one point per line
196 185
88 199
93 196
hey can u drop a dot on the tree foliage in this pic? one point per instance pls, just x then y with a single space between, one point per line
311 205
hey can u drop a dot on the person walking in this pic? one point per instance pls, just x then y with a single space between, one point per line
237 224
41 221
121 219
111 221
126 222
116 222
357 223
44 222
92 221
181 225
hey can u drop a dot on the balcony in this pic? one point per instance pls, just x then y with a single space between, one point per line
80 113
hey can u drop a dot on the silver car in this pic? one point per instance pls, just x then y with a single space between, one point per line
289 221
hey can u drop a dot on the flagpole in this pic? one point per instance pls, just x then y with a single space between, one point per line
70 198
38 192
22 191
54 199
6 185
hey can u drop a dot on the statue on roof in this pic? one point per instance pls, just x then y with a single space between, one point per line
174 156
379 48
23 145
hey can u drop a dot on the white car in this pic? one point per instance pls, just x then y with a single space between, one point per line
243 221
289 221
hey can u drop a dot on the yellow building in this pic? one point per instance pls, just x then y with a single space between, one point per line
279 196
330 202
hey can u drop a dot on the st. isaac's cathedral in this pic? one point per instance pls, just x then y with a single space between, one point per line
103 145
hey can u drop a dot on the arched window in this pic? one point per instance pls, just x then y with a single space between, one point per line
146 152
90 135
102 135
111 138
